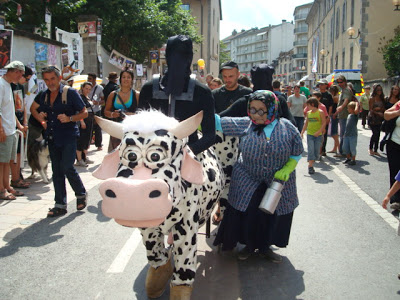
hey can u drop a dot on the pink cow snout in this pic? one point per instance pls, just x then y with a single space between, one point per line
136 203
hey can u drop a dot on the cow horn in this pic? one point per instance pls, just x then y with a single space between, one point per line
112 128
188 126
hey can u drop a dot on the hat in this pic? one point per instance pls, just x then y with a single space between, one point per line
228 66
322 81
112 76
16 65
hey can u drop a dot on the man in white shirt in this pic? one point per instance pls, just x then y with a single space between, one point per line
8 141
97 97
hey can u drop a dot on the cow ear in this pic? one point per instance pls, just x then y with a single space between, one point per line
109 166
187 127
191 169
112 128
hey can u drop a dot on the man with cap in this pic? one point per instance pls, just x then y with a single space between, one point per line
326 100
180 96
226 95
8 142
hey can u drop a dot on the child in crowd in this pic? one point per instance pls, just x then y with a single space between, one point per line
215 83
350 134
315 126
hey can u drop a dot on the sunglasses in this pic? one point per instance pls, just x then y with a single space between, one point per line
340 81
259 112
50 69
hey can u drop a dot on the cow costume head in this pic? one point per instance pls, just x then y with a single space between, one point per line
143 176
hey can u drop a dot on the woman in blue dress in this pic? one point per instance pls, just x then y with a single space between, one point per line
270 148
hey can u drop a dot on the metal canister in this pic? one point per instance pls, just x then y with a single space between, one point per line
271 197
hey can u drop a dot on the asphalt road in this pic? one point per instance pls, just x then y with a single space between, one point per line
342 246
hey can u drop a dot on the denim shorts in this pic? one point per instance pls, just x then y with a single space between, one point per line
350 145
8 149
313 145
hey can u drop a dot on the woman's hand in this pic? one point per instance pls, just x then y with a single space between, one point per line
385 202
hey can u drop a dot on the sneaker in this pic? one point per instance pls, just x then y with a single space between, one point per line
245 253
311 170
323 154
395 206
271 255
88 161
352 163
81 163
348 160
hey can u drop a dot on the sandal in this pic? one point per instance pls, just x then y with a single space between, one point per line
81 203
4 196
20 184
56 211
15 192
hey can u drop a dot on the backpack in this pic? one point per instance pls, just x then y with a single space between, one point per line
63 96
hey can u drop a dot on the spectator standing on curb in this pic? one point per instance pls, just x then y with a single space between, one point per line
364 101
350 136
393 149
60 121
22 124
8 141
375 117
97 97
296 104
111 86
226 95
327 100
341 112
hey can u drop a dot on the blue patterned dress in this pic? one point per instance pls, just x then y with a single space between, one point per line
260 157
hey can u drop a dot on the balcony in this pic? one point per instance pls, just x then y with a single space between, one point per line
299 55
303 29
300 43
300 17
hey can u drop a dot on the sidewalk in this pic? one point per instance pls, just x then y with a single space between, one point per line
17 215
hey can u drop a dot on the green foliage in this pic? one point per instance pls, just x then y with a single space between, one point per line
223 55
132 27
391 53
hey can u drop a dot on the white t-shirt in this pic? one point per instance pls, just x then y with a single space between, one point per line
396 132
98 93
7 108
297 105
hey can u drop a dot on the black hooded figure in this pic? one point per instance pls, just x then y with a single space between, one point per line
261 77
179 95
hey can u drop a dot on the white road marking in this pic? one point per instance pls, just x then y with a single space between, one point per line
123 257
385 215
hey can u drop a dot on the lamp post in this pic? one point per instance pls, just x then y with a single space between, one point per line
351 31
396 3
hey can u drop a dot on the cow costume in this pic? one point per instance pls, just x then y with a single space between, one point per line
154 182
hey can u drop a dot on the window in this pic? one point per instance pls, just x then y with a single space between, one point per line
343 58
351 58
336 61
185 6
352 13
344 17
337 22
332 29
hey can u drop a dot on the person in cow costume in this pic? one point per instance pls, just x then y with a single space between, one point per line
162 178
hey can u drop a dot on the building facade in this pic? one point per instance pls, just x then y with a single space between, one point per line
255 46
300 44
331 45
208 14
284 68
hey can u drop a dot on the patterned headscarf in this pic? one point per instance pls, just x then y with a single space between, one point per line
270 101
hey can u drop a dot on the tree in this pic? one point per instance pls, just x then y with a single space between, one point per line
224 55
391 53
132 27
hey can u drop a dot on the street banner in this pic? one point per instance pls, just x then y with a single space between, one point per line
139 70
6 37
154 56
121 61
74 50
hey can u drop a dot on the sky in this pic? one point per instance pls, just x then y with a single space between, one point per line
242 14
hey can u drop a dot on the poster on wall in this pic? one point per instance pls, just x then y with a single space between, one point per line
52 55
40 57
87 29
121 61
74 51
6 37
